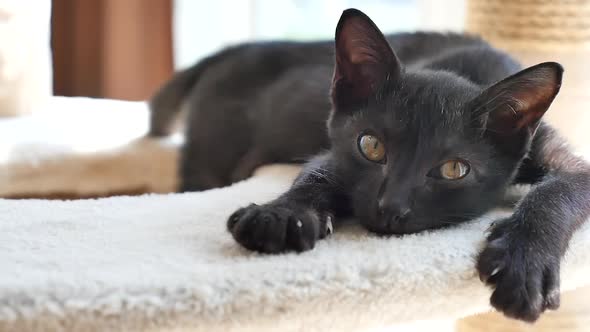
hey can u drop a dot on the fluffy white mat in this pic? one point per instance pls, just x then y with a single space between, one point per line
158 262
166 261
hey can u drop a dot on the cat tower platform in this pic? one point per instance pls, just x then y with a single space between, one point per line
158 262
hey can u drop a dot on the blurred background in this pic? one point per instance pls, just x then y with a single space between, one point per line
126 49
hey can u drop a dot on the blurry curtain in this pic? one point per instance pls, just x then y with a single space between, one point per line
111 48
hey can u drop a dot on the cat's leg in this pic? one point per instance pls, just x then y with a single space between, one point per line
522 257
218 135
248 164
298 218
197 172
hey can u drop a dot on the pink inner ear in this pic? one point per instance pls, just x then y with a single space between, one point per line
531 108
536 97
362 44
363 56
522 99
364 59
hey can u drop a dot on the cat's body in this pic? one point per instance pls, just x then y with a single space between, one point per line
269 102
424 137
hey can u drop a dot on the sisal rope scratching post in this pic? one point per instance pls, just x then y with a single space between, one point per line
534 25
544 30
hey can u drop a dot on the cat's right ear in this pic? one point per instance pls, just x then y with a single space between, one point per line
510 110
364 59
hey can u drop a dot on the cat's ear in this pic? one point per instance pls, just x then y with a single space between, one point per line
517 103
364 59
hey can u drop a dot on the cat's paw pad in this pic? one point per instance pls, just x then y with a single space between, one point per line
277 228
525 277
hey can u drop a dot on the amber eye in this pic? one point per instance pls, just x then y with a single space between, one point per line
372 148
451 170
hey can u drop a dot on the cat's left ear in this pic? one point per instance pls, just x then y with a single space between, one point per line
516 104
364 59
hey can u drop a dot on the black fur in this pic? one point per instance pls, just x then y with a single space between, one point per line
262 103
436 98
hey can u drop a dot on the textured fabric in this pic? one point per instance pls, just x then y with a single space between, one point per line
167 261
83 147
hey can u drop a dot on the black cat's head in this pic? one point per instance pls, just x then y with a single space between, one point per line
423 149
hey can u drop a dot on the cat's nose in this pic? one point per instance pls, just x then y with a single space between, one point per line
399 209
393 215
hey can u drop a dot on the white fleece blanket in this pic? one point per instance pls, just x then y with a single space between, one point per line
159 262
166 261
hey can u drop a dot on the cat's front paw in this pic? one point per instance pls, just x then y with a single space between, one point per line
274 228
522 269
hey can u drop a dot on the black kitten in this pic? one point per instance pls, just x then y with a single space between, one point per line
262 103
425 144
